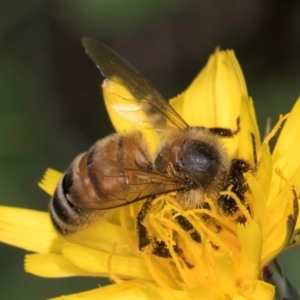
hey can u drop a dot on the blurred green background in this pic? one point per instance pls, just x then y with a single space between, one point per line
51 104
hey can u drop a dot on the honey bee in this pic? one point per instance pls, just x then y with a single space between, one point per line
118 170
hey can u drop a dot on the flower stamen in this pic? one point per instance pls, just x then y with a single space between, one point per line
112 275
164 233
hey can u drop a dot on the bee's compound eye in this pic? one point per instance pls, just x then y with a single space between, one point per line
67 183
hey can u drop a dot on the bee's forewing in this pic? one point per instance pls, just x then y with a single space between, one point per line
145 96
137 185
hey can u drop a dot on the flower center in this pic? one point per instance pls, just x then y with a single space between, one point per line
194 238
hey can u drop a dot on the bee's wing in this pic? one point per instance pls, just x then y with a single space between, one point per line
125 185
116 68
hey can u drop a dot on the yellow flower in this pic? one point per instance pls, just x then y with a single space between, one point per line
234 249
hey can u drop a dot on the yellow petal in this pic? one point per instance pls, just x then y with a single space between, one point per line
286 158
250 237
126 113
265 170
28 229
214 97
226 272
103 235
282 212
261 290
277 234
258 205
286 152
97 261
110 292
52 265
297 227
49 181
217 98
249 131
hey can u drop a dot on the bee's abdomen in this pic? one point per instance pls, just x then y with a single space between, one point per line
100 179
66 217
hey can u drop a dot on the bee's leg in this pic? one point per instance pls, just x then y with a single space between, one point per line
239 186
226 132
237 169
158 248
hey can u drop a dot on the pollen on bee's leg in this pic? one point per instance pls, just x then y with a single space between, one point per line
241 207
